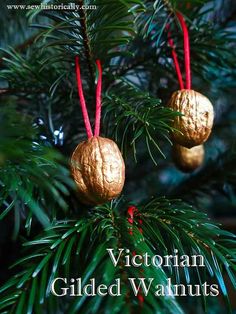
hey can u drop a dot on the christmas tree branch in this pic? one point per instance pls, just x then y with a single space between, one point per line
167 226
36 276
25 45
88 52
97 37
34 178
173 224
139 116
52 256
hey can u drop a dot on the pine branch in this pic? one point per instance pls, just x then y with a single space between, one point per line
53 255
32 286
211 53
14 19
34 178
167 225
23 46
87 47
138 116
104 31
173 225
26 74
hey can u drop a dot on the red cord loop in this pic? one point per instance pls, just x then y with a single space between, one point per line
186 53
186 49
83 103
175 59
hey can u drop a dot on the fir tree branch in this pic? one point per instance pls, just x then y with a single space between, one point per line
34 178
88 52
167 225
175 225
93 36
139 116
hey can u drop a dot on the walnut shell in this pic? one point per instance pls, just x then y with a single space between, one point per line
98 170
188 159
196 123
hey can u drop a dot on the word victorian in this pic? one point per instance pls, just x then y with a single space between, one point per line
123 256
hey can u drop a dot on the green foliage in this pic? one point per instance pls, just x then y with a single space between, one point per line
34 179
173 224
26 73
132 115
216 57
211 53
51 257
167 225
14 19
93 33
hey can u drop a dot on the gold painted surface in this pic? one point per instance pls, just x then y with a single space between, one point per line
98 170
188 159
196 123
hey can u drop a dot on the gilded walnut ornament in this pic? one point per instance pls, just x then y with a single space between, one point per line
98 170
188 159
195 124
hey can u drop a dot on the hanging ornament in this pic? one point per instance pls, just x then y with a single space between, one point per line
188 159
97 164
196 122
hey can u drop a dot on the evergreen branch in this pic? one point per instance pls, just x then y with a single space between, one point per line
52 256
139 115
25 73
34 178
52 251
15 19
84 31
23 46
167 225
211 53
171 225
101 32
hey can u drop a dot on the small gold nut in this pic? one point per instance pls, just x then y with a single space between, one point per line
195 124
98 170
188 159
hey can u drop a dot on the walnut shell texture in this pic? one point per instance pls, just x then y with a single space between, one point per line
98 170
188 159
196 123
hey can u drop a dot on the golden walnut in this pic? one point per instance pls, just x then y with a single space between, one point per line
188 159
197 120
98 170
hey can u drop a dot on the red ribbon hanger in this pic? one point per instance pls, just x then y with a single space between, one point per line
83 103
186 53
